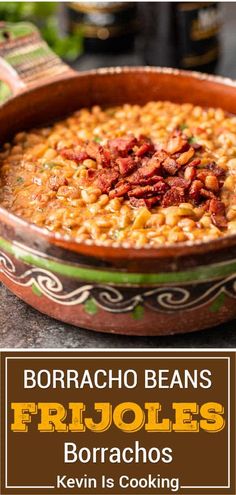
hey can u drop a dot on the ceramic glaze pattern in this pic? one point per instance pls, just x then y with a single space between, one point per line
119 299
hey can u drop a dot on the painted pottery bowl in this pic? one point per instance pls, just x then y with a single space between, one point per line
146 291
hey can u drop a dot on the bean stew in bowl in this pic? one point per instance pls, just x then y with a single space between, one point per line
135 175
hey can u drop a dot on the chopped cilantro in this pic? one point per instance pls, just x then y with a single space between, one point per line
183 126
192 140
97 139
117 233
20 180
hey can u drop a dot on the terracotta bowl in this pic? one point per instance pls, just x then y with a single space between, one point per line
146 291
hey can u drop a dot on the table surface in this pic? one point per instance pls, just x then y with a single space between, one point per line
22 326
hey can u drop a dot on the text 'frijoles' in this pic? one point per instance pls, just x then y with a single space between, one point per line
125 416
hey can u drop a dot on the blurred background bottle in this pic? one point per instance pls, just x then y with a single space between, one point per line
183 34
188 35
106 26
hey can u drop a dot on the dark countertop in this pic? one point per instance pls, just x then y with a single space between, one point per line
21 326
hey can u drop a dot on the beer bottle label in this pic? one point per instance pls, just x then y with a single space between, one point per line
103 20
197 26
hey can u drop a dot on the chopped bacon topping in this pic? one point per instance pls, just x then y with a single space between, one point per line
92 150
195 191
147 191
217 210
177 143
126 165
170 166
144 148
137 203
217 171
148 175
123 144
106 180
76 156
149 181
120 190
174 197
177 182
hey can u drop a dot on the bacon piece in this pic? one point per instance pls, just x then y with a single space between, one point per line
91 173
195 162
106 179
216 206
173 197
217 211
120 190
137 203
177 143
142 192
195 190
123 144
177 182
144 148
125 165
76 156
148 202
217 171
104 157
207 194
147 170
150 181
202 174
98 153
92 150
151 167
170 166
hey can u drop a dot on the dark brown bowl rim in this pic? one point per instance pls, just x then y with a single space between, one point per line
123 250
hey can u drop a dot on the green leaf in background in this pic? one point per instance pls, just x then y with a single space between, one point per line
192 140
45 15
43 9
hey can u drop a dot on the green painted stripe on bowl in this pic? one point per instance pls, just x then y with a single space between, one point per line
202 273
